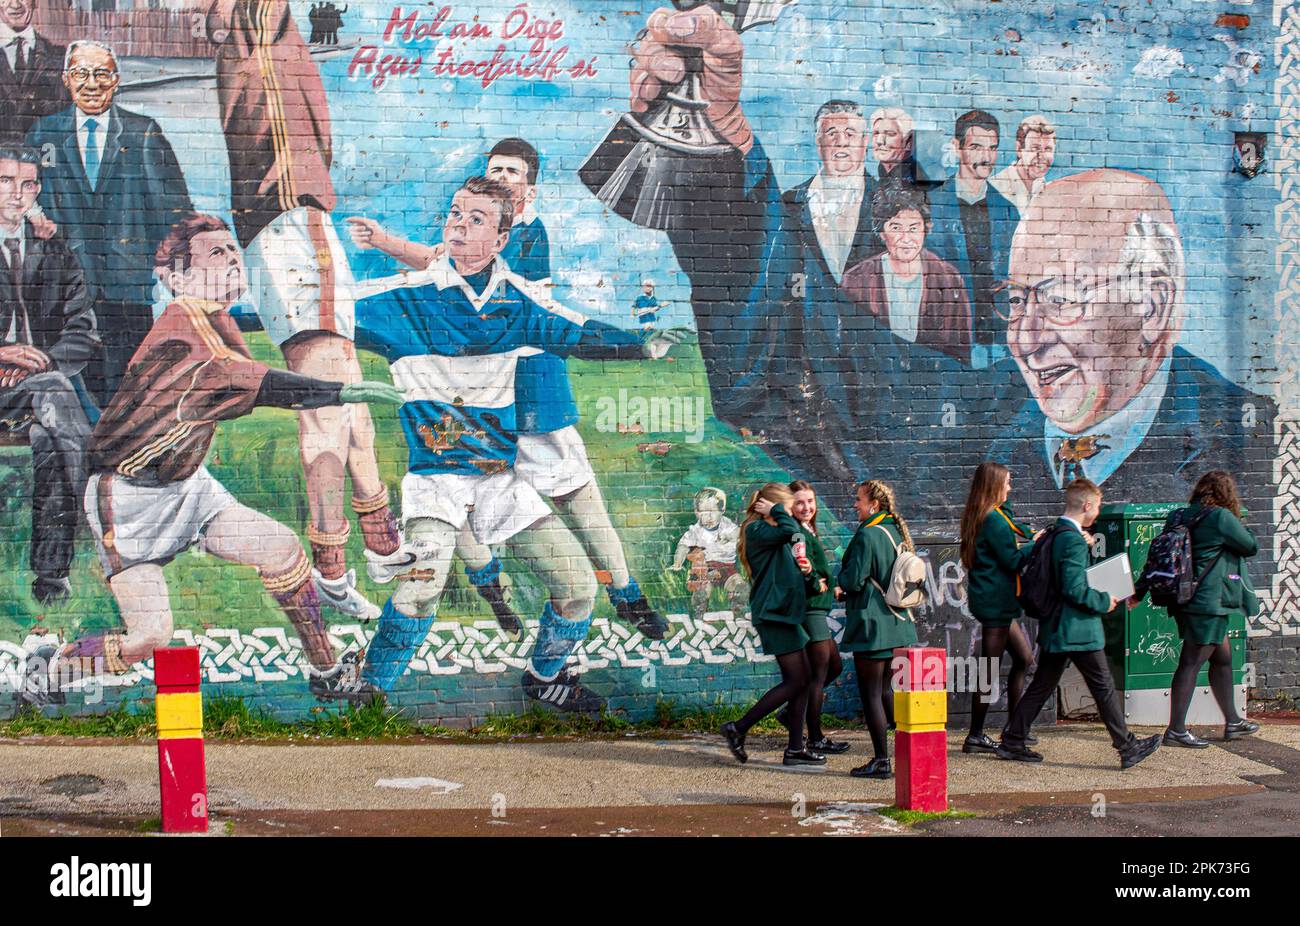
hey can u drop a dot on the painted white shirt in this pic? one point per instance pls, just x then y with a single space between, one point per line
835 203
1009 184
904 300
719 544
7 37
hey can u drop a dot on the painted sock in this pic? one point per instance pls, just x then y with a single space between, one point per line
556 639
327 551
480 578
295 593
378 526
96 653
396 640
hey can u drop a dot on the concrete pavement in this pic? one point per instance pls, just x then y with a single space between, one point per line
631 783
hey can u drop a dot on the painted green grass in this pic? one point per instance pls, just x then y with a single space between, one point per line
649 497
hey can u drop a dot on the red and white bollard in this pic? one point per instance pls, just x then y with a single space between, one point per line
181 774
921 738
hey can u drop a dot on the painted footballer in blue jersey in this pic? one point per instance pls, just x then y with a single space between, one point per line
543 397
454 354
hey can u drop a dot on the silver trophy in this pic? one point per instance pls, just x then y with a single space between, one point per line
649 162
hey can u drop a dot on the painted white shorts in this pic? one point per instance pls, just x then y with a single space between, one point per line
496 507
153 524
554 464
299 278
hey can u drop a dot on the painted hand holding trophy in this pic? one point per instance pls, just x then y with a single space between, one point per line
686 123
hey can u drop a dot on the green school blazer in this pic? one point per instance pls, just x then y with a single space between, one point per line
821 569
870 555
1079 629
1222 589
999 553
776 586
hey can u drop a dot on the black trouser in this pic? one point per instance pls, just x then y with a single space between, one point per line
47 409
1092 666
122 326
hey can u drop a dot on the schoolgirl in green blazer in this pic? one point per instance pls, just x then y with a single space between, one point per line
994 545
823 655
1221 543
872 629
778 602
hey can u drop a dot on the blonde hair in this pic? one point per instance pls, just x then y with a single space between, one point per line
777 494
882 493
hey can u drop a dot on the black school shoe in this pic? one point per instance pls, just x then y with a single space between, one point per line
1030 739
876 768
980 743
1186 739
828 745
1239 728
735 741
1138 751
804 756
1017 753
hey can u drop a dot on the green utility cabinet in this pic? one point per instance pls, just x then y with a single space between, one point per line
1142 643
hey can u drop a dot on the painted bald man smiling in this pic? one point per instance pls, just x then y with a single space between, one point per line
1096 300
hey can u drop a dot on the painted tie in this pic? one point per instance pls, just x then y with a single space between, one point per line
1073 451
92 154
13 251
20 59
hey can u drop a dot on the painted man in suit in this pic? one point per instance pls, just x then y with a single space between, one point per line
31 71
276 122
973 225
113 187
47 333
919 295
1097 296
824 385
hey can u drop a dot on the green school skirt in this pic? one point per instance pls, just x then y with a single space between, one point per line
1202 629
778 639
859 635
995 621
816 626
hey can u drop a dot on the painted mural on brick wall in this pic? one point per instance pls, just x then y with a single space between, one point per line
358 343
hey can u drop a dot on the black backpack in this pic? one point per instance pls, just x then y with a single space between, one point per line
1169 574
1040 593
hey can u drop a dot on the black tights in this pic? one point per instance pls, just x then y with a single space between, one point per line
1189 665
795 675
877 700
995 642
824 660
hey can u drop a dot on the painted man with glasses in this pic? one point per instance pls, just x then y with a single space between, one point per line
1094 305
113 187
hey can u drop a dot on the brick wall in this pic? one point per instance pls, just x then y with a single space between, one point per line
788 365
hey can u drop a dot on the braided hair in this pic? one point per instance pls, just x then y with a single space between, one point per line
882 493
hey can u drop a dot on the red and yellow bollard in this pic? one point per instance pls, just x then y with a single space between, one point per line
921 741
181 775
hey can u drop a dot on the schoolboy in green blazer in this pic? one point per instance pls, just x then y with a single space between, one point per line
1075 636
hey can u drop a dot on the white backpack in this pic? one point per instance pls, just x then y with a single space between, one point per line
906 579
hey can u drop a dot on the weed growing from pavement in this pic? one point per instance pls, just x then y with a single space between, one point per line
913 817
233 718
150 825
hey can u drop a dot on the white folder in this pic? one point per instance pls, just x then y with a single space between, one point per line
1113 576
